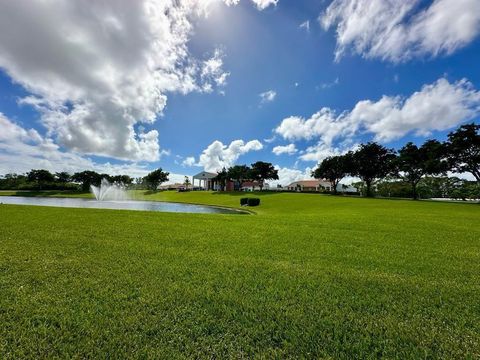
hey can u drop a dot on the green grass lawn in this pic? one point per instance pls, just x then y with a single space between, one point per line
309 275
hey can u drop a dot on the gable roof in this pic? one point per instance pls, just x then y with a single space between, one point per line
205 175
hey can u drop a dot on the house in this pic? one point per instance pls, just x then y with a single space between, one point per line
176 186
309 185
252 186
206 181
319 185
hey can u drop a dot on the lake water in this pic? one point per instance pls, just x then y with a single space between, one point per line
118 205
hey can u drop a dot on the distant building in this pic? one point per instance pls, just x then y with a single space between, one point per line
318 185
175 186
206 181
309 185
252 186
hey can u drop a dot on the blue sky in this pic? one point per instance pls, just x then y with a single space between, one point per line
131 86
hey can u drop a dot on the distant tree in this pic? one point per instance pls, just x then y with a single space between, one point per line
12 181
371 162
464 149
87 178
262 171
334 169
391 187
186 182
156 178
436 187
122 179
414 162
222 178
107 177
40 177
239 173
360 186
63 177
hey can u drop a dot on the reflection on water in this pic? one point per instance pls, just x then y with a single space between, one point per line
119 205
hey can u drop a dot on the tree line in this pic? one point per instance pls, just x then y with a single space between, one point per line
41 179
375 164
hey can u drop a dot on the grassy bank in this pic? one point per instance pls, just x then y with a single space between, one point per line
309 276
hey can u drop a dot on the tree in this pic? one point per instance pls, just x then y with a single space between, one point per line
239 173
62 177
41 177
391 187
370 162
186 182
414 163
122 179
333 169
262 171
156 178
464 149
222 177
12 181
87 178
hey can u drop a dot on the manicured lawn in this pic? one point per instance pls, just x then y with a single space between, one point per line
307 276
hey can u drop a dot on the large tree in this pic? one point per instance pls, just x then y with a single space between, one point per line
87 178
371 162
222 178
239 173
262 171
40 177
63 177
464 149
156 178
334 169
414 162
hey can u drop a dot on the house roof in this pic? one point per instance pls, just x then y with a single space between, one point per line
205 175
309 183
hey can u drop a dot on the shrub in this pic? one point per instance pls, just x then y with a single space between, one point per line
253 201
250 201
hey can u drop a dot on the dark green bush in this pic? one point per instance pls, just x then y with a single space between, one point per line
253 201
250 201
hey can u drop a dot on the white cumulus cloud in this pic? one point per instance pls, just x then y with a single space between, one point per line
263 4
217 155
284 149
401 30
436 107
96 70
24 149
189 161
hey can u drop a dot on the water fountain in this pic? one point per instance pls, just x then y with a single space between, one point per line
108 191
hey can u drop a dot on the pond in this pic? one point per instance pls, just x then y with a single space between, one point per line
118 205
